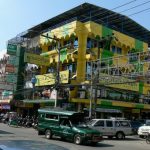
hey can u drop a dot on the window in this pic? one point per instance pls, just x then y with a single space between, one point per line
99 123
51 116
119 50
109 123
50 48
89 43
42 115
51 69
117 124
114 49
124 124
66 122
76 43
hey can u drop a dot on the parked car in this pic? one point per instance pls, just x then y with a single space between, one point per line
68 125
135 126
112 127
144 130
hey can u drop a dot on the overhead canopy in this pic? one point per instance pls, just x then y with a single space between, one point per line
56 111
89 12
39 101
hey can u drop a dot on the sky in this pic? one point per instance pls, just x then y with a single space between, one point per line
17 16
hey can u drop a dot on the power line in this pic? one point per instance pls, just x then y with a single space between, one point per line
139 12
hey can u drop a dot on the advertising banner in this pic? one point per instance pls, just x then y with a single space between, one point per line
8 87
49 79
11 78
36 59
119 82
14 60
6 107
10 68
11 49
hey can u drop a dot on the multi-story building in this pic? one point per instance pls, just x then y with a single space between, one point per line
5 88
85 34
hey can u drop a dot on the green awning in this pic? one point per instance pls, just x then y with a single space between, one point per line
39 101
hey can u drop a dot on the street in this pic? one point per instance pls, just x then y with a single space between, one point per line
12 138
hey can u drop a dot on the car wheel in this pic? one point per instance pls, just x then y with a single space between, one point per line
48 134
77 139
120 135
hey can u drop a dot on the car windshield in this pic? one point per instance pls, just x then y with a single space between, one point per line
91 122
79 124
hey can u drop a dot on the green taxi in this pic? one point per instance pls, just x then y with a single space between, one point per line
68 125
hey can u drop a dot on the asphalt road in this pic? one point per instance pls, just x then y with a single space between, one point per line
27 139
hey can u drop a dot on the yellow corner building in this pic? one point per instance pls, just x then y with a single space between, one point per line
88 34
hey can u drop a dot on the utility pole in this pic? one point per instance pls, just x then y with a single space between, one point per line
91 95
58 65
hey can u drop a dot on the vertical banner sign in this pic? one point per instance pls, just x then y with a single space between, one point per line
11 49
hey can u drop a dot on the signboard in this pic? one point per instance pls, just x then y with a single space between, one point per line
13 60
11 78
36 59
11 49
8 87
119 82
6 101
7 94
135 111
9 68
6 107
49 79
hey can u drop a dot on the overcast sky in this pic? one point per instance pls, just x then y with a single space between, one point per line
17 16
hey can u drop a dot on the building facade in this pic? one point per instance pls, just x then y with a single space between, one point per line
103 63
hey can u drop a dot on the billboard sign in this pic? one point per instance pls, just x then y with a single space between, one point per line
36 59
49 79
10 68
11 49
5 86
118 82
14 60
11 78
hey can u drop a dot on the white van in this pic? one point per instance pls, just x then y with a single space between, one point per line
112 127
